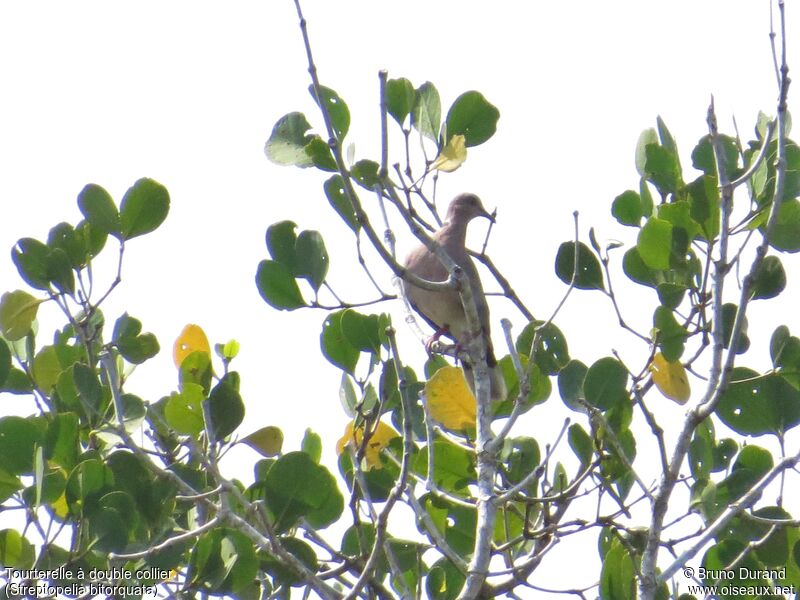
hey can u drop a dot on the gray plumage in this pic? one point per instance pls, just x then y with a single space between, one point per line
443 310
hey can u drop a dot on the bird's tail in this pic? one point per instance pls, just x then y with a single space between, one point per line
498 383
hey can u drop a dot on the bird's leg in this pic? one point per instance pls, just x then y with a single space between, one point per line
435 338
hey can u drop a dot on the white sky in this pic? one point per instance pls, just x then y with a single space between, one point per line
187 93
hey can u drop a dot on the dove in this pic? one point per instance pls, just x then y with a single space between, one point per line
443 310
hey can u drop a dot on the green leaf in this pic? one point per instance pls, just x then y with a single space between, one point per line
365 172
184 412
62 440
570 385
524 456
678 214
320 154
17 313
312 445
335 345
729 311
287 142
226 406
399 98
540 386
671 334
655 244
16 552
636 269
5 361
784 349
662 169
312 258
627 208
281 240
472 116
59 271
17 382
19 438
786 234
581 443
670 294
664 135
589 276
444 581
605 384
334 191
297 487
135 347
617 576
453 467
335 107
364 332
703 155
99 209
704 205
769 279
267 441
32 259
646 138
277 286
756 404
46 368
70 241
551 353
143 208
427 111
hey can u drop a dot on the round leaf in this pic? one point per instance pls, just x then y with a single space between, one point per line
17 312
627 208
335 345
399 98
18 440
267 441
655 244
589 275
670 378
144 207
226 406
786 234
312 257
427 111
287 142
277 286
335 107
605 383
99 209
334 191
450 400
756 404
769 280
472 116
297 487
191 339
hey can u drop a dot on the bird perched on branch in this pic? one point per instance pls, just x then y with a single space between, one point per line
444 310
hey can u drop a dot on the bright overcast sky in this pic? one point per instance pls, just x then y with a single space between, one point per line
188 92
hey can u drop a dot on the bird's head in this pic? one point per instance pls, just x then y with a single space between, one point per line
465 207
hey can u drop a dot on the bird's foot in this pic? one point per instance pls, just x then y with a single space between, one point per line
435 338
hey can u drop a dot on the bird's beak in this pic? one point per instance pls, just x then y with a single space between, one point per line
490 215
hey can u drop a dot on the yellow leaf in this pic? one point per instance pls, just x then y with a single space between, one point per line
60 507
191 339
670 378
450 400
380 439
452 155
267 440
